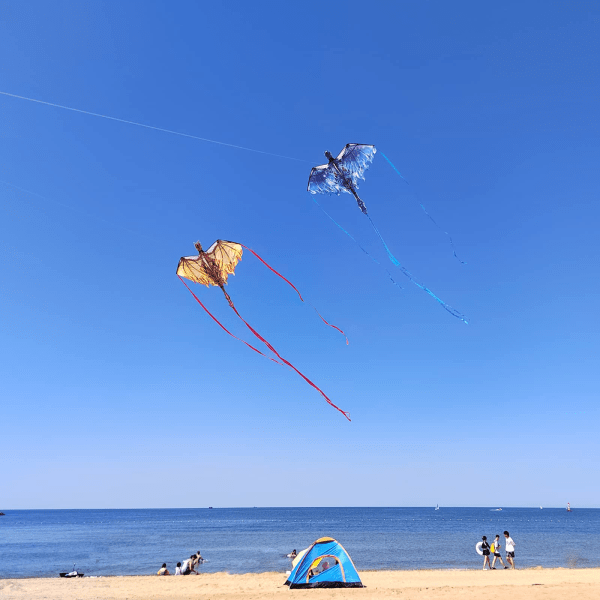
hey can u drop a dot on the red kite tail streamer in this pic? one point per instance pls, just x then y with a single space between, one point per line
264 262
331 325
289 364
295 288
224 328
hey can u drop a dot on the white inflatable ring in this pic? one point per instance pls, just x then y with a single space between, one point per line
478 548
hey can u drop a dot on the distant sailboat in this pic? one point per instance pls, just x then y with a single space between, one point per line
437 507
540 508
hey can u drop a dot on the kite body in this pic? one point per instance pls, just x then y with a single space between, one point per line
341 174
213 266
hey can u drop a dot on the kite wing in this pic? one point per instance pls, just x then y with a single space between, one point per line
194 269
324 179
352 161
355 159
225 255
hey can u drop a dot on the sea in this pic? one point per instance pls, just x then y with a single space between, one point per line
43 543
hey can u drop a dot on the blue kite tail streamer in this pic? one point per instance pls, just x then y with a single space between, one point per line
408 274
425 211
449 236
356 242
392 165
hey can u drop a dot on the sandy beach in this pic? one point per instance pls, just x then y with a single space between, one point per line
520 584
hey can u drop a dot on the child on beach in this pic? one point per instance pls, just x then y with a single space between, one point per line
178 569
163 570
485 548
496 550
510 550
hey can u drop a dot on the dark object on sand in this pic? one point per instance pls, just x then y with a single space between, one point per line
73 573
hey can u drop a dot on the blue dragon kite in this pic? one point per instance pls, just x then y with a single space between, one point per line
341 175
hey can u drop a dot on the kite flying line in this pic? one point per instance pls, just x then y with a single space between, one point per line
179 133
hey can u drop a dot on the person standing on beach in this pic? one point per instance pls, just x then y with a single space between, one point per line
496 550
485 548
510 549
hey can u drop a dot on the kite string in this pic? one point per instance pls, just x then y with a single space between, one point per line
223 327
356 242
161 129
425 211
289 364
407 273
295 288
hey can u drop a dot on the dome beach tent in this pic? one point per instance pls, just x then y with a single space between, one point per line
324 564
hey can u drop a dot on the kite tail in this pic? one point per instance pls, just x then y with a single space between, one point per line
425 211
295 288
462 262
356 242
289 364
224 328
274 271
408 274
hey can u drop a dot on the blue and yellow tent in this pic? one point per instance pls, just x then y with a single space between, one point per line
324 564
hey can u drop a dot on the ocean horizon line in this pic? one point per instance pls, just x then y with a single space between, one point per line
490 507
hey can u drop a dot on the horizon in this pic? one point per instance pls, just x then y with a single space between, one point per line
315 506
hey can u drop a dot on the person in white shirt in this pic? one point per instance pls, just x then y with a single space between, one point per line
178 569
188 566
497 556
510 549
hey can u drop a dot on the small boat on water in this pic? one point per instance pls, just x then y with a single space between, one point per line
2 514
495 509
569 507
437 507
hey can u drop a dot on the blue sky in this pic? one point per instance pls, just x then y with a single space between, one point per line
118 391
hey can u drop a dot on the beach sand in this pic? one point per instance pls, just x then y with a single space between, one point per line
547 584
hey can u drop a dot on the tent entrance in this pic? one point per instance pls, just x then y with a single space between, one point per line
322 564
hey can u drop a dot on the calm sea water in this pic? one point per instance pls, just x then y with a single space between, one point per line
41 543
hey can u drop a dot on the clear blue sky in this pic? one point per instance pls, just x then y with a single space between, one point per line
116 388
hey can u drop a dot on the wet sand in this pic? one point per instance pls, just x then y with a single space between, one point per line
547 584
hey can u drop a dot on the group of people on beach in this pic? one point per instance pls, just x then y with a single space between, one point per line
495 550
188 567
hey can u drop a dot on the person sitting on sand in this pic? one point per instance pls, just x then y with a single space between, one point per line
188 566
178 569
163 570
496 550
510 550
485 548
